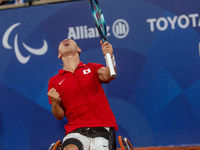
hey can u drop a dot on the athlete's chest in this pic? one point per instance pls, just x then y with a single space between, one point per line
82 78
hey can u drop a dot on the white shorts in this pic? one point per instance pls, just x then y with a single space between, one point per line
97 143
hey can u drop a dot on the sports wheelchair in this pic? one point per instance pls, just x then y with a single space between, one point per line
124 143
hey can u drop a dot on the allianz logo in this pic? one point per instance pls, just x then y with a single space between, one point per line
120 30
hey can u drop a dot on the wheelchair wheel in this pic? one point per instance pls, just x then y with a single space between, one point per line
124 143
56 146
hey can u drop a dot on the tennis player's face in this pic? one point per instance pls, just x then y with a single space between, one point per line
67 45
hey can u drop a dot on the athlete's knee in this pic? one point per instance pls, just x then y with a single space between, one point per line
71 147
72 144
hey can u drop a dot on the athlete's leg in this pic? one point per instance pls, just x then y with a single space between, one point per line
99 143
75 141
71 147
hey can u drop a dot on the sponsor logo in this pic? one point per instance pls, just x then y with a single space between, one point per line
120 29
22 59
83 32
182 21
61 81
87 71
105 146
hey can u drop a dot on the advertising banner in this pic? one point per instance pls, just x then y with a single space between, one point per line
155 96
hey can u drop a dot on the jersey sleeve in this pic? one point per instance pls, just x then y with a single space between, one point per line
53 83
96 67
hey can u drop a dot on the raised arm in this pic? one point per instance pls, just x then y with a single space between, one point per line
104 72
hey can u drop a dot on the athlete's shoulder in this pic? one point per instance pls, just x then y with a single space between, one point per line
96 65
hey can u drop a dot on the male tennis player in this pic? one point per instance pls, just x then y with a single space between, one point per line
76 93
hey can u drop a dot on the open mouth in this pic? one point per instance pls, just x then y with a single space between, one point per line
66 44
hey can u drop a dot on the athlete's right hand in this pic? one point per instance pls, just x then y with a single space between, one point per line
57 110
54 96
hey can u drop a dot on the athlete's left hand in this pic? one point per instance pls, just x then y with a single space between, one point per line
106 48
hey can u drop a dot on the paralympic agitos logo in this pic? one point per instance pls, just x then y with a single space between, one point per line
22 59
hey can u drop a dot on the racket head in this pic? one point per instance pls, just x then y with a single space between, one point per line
98 19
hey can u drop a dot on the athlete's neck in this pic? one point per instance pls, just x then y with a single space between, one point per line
70 63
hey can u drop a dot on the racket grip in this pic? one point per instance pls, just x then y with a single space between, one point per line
110 65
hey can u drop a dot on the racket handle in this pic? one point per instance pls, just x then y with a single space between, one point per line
110 65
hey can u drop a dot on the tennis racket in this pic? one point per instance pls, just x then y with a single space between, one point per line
124 143
101 27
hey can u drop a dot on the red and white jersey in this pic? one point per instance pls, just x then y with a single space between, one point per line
83 97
